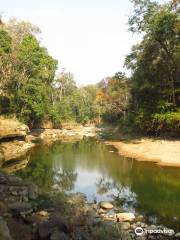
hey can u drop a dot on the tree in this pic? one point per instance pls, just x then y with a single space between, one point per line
27 72
155 61
113 97
18 29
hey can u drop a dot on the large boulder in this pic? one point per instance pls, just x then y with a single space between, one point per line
10 128
13 150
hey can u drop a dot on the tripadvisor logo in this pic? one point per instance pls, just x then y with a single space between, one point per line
139 231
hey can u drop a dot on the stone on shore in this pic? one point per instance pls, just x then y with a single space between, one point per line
44 213
106 205
124 217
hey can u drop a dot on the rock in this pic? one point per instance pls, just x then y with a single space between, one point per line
14 193
95 206
58 235
106 205
9 179
139 218
123 217
125 225
11 168
177 235
143 225
33 191
109 217
101 211
76 198
10 128
4 230
25 213
46 125
34 219
18 207
44 229
13 150
44 213
95 221
3 207
47 227
133 226
57 221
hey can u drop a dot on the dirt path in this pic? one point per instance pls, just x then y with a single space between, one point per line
162 152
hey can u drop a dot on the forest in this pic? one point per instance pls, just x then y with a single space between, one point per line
147 100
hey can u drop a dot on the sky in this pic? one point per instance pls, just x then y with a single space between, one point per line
89 38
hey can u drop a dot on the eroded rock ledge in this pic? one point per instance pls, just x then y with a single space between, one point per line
16 139
13 142
10 128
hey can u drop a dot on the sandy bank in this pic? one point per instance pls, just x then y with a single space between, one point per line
162 152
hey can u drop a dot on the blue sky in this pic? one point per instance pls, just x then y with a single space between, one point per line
88 37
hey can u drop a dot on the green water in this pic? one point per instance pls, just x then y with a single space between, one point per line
98 171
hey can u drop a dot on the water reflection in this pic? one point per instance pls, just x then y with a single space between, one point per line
91 167
64 180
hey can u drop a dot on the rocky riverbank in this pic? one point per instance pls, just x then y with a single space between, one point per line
13 142
26 213
16 140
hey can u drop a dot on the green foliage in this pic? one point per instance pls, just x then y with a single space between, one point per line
166 122
113 97
33 102
33 93
35 60
155 83
5 42
27 75
72 103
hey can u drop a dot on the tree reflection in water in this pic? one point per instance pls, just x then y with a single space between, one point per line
122 195
64 180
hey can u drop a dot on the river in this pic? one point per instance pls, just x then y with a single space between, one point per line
91 167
